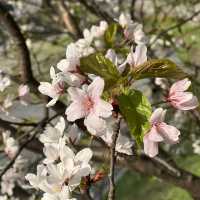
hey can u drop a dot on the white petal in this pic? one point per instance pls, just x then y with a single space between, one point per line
140 55
95 125
53 101
180 86
95 89
75 111
150 148
158 116
83 156
103 109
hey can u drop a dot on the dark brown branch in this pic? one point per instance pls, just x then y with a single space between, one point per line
69 20
158 167
7 126
96 10
15 32
17 123
113 157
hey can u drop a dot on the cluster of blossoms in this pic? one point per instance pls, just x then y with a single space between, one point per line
62 169
15 174
85 91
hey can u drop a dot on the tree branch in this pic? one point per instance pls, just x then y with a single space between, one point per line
116 128
96 10
69 20
14 30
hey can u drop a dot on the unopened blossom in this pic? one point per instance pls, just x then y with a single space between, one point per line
70 66
89 105
134 59
124 20
24 94
84 44
11 145
159 132
51 134
179 98
54 89
112 56
98 31
4 81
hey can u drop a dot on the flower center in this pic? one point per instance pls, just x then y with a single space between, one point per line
88 104
59 87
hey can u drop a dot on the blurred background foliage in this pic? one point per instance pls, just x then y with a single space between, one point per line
173 29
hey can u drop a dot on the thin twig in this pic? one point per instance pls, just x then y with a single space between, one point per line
178 25
116 128
37 130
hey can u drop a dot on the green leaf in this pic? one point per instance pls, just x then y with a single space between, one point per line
110 34
158 68
136 109
99 65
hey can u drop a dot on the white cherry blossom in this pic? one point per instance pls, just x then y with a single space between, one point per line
54 89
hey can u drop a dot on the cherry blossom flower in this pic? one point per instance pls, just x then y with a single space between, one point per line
64 194
138 57
112 56
84 44
54 89
36 180
88 104
11 145
132 31
159 132
179 98
51 134
70 66
24 94
4 81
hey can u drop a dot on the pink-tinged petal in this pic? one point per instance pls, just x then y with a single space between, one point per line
52 102
47 89
154 135
103 109
83 156
150 148
23 90
95 125
158 116
75 111
95 89
140 55
180 86
76 94
189 105
169 133
179 97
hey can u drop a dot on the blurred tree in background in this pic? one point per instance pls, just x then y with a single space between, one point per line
34 35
